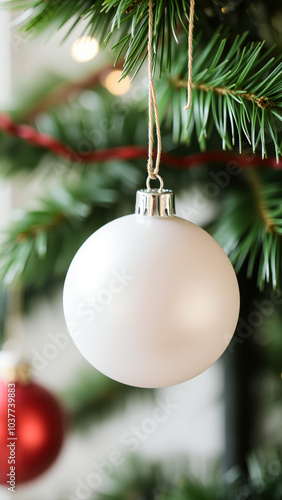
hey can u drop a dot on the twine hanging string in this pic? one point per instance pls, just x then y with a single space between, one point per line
190 53
153 171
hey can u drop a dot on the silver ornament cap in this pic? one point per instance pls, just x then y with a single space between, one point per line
155 202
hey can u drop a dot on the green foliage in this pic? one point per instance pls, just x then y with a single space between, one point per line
42 242
237 89
133 40
193 490
272 339
124 23
250 228
93 396
104 18
237 98
154 482
94 120
137 480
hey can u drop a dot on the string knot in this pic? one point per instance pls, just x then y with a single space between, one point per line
153 176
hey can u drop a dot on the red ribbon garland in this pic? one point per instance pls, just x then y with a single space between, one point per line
57 147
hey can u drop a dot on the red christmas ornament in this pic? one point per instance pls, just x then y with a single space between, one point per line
32 429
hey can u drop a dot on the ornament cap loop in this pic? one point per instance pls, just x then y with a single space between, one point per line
155 202
160 179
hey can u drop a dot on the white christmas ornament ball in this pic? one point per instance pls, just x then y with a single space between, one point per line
151 299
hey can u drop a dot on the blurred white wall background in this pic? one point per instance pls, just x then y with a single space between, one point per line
195 428
5 60
5 101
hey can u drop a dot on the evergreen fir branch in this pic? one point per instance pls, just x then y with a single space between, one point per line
194 489
124 22
237 91
25 147
155 481
255 239
32 244
121 135
138 480
47 144
42 242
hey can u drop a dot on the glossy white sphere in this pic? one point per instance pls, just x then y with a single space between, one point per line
151 301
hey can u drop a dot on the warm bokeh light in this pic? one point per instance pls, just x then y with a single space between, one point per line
114 86
84 49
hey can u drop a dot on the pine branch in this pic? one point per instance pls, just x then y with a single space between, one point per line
247 105
58 148
87 140
255 239
150 481
138 480
237 91
260 202
41 242
125 23
31 245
